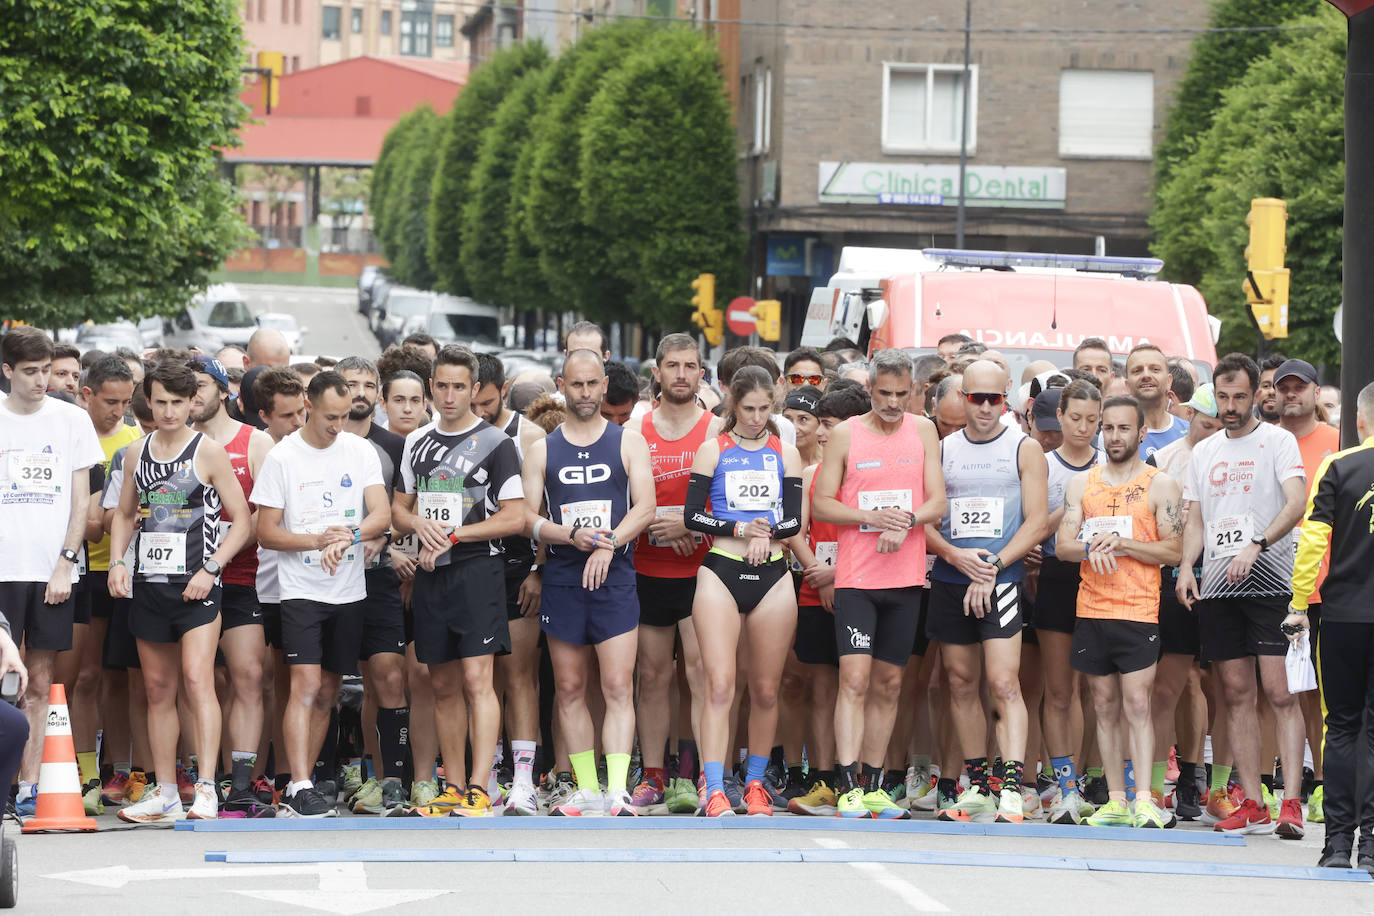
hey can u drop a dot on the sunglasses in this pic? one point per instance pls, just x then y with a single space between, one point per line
814 380
984 397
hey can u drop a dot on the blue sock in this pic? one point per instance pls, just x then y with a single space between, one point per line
757 765
1130 779
714 771
1064 772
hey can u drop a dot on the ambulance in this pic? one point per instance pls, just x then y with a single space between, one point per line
1028 306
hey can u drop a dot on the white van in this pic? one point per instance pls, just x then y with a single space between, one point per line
216 318
459 320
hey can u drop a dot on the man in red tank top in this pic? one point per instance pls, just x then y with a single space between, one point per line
880 484
666 561
241 631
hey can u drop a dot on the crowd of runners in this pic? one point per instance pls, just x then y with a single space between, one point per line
871 586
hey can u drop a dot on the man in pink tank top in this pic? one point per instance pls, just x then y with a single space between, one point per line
880 484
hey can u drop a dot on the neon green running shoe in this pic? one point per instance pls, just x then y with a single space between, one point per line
852 803
680 797
1113 814
881 806
368 799
1315 815
1147 814
1271 802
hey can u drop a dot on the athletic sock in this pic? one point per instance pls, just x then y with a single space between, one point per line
522 752
244 762
948 788
656 775
871 778
1186 773
584 768
293 787
617 772
714 771
758 764
977 769
846 777
795 774
169 792
87 766
1128 770
494 778
1220 777
1063 772
1012 772
920 761
686 759
893 778
1157 773
26 790
393 738
778 756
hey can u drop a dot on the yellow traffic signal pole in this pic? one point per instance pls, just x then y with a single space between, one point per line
1266 279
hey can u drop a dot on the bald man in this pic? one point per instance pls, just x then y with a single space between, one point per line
267 347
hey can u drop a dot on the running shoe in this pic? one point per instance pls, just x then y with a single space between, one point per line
29 806
895 790
113 792
1047 784
474 803
246 803
1271 802
1187 805
1290 819
775 773
186 786
646 796
795 787
758 800
1248 818
1095 790
91 798
851 804
920 786
1069 810
205 807
367 799
618 804
441 805
563 788
329 789
153 808
701 795
1113 814
1220 806
582 803
819 800
1315 814
735 794
266 792
717 805
881 807
307 803
1030 802
352 779
973 805
1011 807
393 797
522 801
680 796
135 787
945 803
1147 813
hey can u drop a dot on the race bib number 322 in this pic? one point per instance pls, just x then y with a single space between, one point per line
975 517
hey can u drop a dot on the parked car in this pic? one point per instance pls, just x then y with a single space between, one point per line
517 361
399 307
458 320
150 329
216 318
286 324
371 282
109 337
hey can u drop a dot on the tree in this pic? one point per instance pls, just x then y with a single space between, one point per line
461 139
1278 132
658 174
344 196
483 251
386 180
112 199
408 228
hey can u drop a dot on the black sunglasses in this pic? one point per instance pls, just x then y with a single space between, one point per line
984 397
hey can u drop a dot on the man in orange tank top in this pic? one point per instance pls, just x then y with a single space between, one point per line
1122 522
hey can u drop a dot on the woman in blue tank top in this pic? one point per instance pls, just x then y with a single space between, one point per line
753 481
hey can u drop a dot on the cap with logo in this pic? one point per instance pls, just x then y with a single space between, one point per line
1204 400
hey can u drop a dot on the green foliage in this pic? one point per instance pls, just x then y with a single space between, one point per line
658 181
462 136
407 240
385 180
483 250
112 201
1278 132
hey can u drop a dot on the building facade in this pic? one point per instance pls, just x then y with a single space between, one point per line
309 33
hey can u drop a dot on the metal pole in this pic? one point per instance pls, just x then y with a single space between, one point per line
1357 335
963 127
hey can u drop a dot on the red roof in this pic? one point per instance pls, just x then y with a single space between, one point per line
296 140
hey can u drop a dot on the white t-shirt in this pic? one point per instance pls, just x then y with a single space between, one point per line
1239 485
1173 458
39 452
317 489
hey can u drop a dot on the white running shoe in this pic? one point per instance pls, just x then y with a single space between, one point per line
205 806
153 808
582 803
1030 802
618 804
522 800
1068 809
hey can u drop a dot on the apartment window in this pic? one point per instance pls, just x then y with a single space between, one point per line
262 10
296 11
923 108
763 109
295 62
355 21
329 20
443 31
285 10
248 10
415 31
386 22
1106 114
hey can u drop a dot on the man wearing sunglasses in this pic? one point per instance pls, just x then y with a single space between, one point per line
802 367
996 479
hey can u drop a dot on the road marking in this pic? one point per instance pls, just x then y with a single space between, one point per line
910 894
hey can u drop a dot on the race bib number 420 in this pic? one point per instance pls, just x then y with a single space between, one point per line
1228 536
975 517
588 513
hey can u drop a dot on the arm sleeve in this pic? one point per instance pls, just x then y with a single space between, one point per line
790 523
1315 532
694 514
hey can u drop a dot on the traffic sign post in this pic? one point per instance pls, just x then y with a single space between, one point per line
738 317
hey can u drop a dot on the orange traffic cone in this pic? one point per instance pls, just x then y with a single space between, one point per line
59 804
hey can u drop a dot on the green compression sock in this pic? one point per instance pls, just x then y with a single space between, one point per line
584 767
1220 777
617 771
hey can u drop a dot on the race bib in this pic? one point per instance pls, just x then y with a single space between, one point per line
1120 525
588 513
81 562
311 558
444 506
33 472
975 517
161 553
827 552
661 511
883 499
751 491
1228 536
408 545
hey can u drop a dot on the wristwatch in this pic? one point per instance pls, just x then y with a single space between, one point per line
69 555
1262 541
997 561
912 523
211 567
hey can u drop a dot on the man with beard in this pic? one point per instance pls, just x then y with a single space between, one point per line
385 713
1267 401
1149 381
241 628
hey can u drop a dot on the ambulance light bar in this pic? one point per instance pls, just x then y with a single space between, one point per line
1131 267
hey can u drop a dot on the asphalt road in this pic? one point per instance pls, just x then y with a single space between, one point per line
329 315
669 866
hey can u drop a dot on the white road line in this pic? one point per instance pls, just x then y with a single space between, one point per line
912 895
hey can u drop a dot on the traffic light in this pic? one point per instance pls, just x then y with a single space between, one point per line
707 317
768 316
1266 279
272 62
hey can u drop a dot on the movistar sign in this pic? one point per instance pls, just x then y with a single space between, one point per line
918 184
